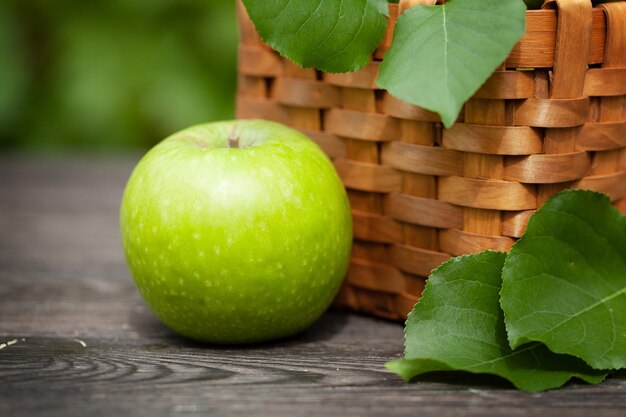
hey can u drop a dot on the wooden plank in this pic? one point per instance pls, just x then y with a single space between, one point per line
86 345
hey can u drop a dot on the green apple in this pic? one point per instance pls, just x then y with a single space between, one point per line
236 232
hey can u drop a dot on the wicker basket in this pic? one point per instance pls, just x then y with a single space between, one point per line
421 193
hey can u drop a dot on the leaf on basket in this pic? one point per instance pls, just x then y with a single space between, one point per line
440 55
331 35
458 325
564 281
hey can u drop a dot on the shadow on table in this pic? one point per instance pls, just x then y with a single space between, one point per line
329 325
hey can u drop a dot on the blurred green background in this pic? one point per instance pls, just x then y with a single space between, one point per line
112 74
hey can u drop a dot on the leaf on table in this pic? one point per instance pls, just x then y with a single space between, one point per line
440 55
458 325
331 35
565 280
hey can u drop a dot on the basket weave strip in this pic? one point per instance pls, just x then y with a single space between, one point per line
552 117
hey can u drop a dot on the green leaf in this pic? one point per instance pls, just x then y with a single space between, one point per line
534 4
440 55
565 280
331 35
458 325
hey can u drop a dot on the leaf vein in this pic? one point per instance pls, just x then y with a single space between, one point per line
510 355
600 302
332 31
353 38
308 18
445 47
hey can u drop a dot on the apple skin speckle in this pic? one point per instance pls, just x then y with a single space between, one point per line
259 259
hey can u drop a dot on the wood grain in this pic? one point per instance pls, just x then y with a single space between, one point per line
64 281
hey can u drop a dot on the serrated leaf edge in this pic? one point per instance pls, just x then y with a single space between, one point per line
353 68
447 121
522 340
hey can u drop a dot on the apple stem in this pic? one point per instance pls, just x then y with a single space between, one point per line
233 138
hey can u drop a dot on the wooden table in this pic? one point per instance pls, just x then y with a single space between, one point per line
80 342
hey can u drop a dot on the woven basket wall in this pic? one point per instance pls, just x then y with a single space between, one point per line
552 117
